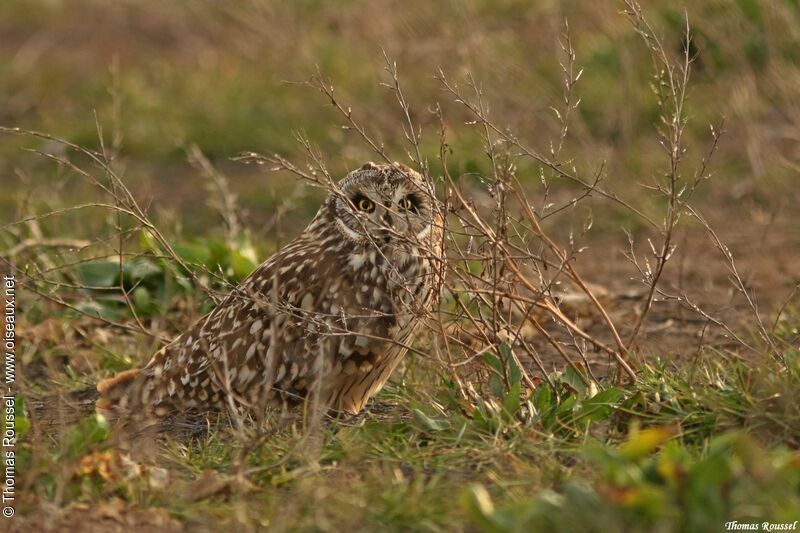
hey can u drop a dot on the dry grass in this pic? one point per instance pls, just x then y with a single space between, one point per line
600 346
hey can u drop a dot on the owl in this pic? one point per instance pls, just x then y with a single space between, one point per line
328 317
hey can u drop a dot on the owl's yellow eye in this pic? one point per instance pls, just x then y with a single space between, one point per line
365 204
407 203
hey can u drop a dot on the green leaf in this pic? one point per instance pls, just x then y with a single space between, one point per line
194 254
144 302
21 422
98 273
241 264
243 258
502 367
566 406
633 401
573 379
496 384
219 257
493 361
511 403
486 416
148 243
601 405
141 269
514 372
93 429
542 398
21 425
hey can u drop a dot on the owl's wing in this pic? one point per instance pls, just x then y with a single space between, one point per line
200 363
239 348
287 326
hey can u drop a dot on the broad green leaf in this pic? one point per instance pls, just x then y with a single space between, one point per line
194 254
98 273
512 401
574 380
241 264
21 422
140 269
91 430
144 302
542 398
601 405
514 372
566 406
493 361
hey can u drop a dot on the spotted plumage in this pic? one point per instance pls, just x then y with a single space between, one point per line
327 317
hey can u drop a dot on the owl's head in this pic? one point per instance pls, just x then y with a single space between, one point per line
385 205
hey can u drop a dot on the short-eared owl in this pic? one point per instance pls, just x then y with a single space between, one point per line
329 316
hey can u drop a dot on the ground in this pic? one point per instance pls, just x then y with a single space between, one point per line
166 98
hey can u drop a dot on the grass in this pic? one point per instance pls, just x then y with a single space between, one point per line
495 440
687 448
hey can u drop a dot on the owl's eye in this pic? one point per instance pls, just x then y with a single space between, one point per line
408 203
364 204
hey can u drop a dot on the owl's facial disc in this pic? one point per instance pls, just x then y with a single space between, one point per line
386 205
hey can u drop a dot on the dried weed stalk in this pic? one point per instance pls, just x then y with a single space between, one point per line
507 272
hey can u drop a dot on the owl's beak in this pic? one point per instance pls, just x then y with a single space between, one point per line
386 231
384 236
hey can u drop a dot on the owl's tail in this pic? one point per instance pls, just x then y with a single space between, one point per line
120 398
113 390
62 408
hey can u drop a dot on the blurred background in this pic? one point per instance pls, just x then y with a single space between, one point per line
162 76
175 90
171 82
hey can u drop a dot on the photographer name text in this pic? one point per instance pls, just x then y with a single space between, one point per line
762 526
9 438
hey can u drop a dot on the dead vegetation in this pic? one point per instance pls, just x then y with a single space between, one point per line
558 353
